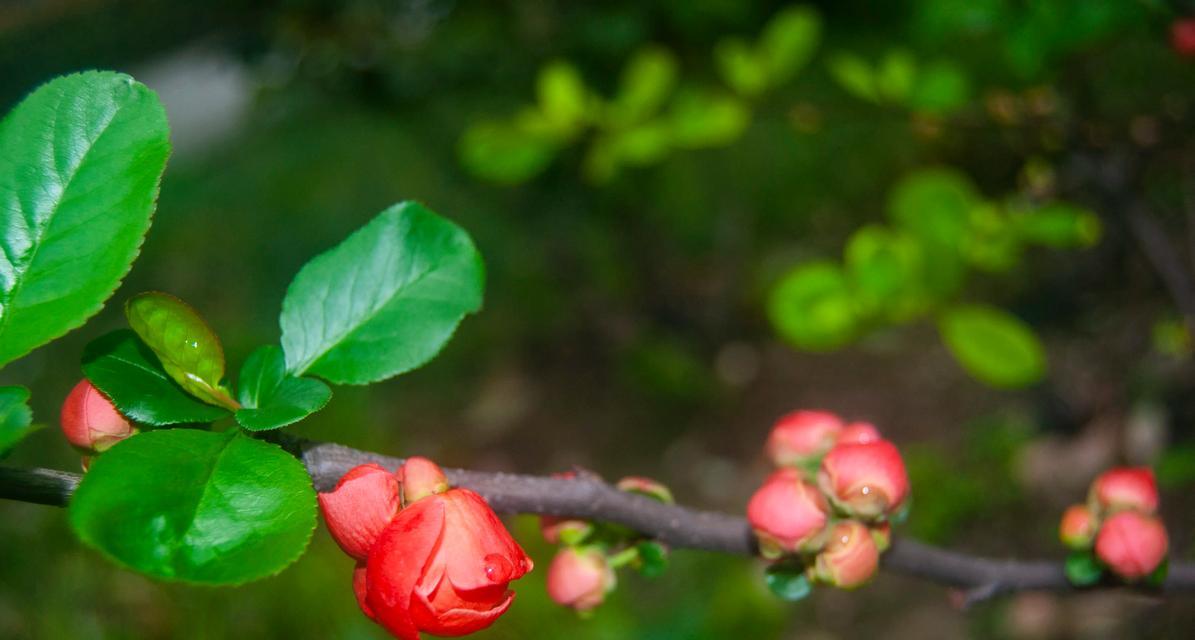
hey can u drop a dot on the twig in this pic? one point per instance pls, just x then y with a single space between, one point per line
587 497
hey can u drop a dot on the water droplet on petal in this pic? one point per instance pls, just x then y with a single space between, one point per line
497 568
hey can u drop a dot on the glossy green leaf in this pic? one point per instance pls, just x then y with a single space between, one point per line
186 346
741 67
196 506
854 74
993 345
1083 569
647 82
16 419
80 162
1058 225
699 119
788 42
788 582
270 398
384 301
128 372
812 307
505 153
563 97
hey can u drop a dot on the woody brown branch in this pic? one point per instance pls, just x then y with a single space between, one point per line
589 498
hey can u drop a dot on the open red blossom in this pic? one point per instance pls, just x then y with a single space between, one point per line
787 513
866 480
850 557
360 508
580 578
442 567
1125 488
90 421
801 436
1132 544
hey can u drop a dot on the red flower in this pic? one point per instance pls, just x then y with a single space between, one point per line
443 567
1124 488
787 514
360 508
1131 544
859 433
1077 527
801 436
1182 36
865 480
850 557
579 578
90 422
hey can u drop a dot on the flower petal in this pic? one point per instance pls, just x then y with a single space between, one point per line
397 562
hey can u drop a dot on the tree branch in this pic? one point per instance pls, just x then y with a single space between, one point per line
588 497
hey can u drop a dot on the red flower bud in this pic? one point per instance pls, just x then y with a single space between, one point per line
850 557
580 578
801 436
1131 544
360 508
420 478
787 514
1077 528
859 433
443 566
1182 36
646 487
1124 488
865 480
90 421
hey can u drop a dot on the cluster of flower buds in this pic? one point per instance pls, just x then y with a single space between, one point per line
91 422
827 508
1120 523
429 558
582 573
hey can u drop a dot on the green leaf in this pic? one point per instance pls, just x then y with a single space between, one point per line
812 307
935 204
652 559
941 88
506 153
700 119
80 162
384 301
788 582
272 399
16 419
741 67
993 345
1058 225
647 82
896 74
854 74
992 243
130 375
563 98
885 269
1083 569
196 506
186 346
788 42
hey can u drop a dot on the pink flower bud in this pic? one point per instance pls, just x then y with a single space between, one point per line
850 557
90 421
580 578
802 436
1077 528
865 480
421 478
787 514
646 487
1124 488
1131 544
859 433
558 529
360 508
